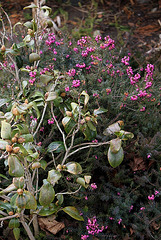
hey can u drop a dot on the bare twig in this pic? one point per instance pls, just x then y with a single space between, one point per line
8 217
42 117
69 193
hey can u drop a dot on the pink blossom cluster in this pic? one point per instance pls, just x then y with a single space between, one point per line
83 41
125 60
76 83
71 72
32 74
98 38
51 121
93 186
93 227
83 65
51 39
44 70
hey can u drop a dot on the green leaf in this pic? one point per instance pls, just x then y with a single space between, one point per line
53 176
15 166
5 130
6 206
115 145
73 212
24 84
60 198
115 159
28 24
3 101
22 149
1 175
46 211
8 116
81 181
16 232
74 168
65 120
3 144
32 5
46 8
56 147
115 127
14 223
91 126
45 79
86 97
99 111
43 164
34 57
75 107
23 128
13 200
47 194
27 137
31 202
8 189
34 105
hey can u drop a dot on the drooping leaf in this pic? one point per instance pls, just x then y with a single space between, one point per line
45 79
3 176
115 145
60 198
56 147
16 232
43 164
27 137
53 176
47 194
5 130
15 166
86 99
32 5
31 202
3 101
6 206
115 127
13 200
115 159
74 168
81 181
73 212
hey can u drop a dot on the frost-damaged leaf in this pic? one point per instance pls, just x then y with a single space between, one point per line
86 97
30 200
99 111
115 127
56 147
115 159
50 224
47 194
53 176
5 130
115 145
65 120
74 168
73 212
3 101
3 144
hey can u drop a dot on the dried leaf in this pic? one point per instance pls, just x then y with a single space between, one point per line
50 224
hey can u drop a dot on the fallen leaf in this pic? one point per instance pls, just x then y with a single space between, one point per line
50 224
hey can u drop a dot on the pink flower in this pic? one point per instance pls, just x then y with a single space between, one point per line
142 109
67 89
84 237
148 156
120 220
151 197
86 198
156 192
76 83
134 98
108 90
93 186
142 208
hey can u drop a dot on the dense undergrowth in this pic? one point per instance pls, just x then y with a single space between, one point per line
62 102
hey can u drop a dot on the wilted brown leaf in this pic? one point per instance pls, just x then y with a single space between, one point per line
50 224
137 164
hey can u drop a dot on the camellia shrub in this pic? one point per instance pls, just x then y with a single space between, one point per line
46 120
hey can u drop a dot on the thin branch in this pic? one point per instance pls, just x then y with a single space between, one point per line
3 213
9 22
69 193
58 126
42 117
88 146
8 217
